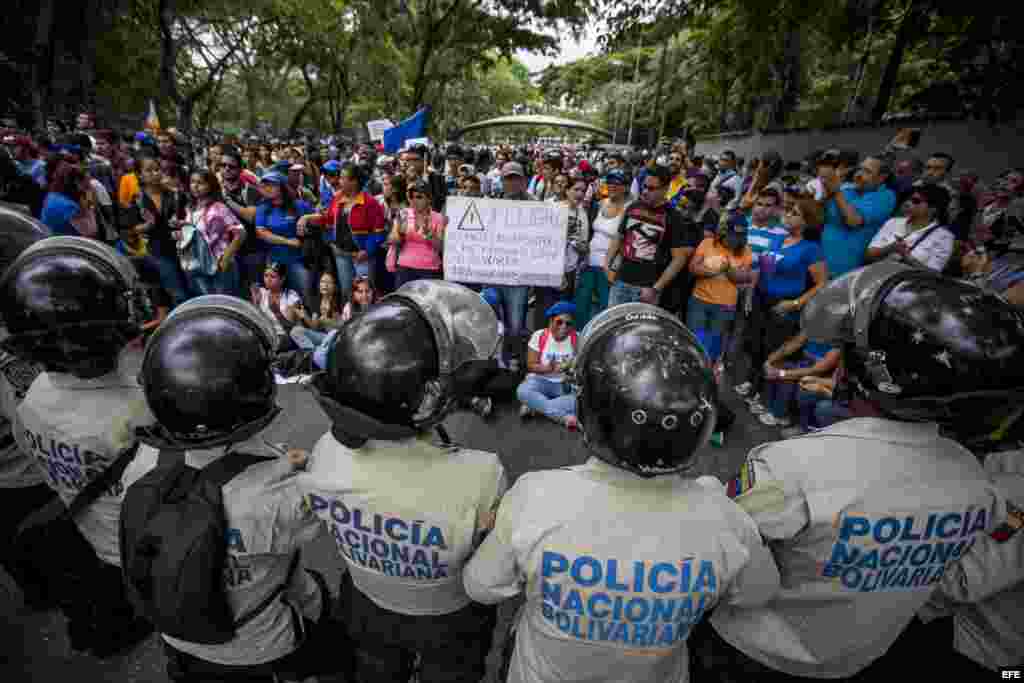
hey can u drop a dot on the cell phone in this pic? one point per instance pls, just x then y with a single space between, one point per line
915 138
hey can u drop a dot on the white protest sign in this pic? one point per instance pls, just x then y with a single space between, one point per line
378 127
411 142
504 242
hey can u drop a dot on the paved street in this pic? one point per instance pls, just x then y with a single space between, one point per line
33 646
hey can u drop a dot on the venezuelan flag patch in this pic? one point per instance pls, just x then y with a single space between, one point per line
743 483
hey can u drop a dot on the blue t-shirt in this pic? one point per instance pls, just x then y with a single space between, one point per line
58 210
816 351
791 270
326 193
277 221
765 239
844 247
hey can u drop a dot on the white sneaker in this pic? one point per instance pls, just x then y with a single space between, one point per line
743 389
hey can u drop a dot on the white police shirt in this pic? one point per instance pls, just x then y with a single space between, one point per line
405 515
74 429
864 518
268 521
17 469
616 570
986 586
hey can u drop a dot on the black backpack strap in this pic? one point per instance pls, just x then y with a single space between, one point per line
95 488
226 468
274 594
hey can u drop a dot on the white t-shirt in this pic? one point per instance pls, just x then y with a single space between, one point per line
605 230
405 516
288 298
554 352
75 429
934 250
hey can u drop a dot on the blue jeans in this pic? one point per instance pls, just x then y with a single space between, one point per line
171 278
346 273
621 293
320 353
819 412
307 339
781 393
588 281
219 283
406 275
512 302
298 277
710 323
554 399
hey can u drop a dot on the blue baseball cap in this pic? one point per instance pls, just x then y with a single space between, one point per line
561 308
274 178
331 166
615 177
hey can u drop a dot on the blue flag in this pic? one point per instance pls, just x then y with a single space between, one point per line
413 127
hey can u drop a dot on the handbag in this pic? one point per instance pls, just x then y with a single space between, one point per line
194 252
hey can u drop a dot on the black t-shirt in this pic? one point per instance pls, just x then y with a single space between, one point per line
648 236
161 243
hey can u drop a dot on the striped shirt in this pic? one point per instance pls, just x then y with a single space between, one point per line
764 239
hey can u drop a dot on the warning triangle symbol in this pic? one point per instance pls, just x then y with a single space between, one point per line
471 220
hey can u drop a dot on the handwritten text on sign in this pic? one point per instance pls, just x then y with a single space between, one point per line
503 242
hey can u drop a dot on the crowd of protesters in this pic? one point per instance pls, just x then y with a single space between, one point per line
736 247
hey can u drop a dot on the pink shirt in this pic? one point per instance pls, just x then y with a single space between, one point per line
218 224
417 251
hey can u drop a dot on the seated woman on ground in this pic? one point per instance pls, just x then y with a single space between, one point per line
312 330
552 352
363 295
785 368
279 304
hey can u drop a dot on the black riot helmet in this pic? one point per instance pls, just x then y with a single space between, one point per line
922 347
18 231
206 374
646 395
398 368
70 304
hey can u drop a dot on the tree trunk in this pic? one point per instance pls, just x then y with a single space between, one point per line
853 102
42 63
658 106
904 37
790 95
250 100
168 56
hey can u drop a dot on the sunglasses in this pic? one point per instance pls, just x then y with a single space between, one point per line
918 200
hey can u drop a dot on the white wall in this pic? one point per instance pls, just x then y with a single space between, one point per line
973 144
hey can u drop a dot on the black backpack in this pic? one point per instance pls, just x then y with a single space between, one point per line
174 550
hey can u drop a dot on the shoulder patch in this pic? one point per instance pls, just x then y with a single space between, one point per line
1014 523
745 481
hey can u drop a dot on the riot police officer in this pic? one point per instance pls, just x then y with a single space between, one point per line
620 557
868 515
406 513
23 484
70 304
206 376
